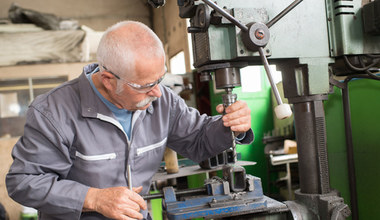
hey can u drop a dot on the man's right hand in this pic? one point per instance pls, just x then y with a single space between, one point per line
115 202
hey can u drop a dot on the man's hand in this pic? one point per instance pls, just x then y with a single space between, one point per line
115 202
238 116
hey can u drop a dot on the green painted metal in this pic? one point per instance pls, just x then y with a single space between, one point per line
343 24
222 47
291 37
336 148
196 181
346 34
156 205
364 102
318 75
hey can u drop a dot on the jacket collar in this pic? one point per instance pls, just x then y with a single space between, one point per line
90 103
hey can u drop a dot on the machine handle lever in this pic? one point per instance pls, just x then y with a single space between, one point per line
269 74
244 27
283 13
282 110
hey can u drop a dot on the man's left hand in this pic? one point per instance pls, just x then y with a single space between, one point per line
237 116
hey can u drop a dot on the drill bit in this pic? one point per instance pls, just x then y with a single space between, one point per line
228 99
234 147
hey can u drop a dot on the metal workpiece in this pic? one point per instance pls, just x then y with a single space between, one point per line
236 177
228 156
210 163
219 160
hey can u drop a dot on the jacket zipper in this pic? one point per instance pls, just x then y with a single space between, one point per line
141 150
109 156
118 125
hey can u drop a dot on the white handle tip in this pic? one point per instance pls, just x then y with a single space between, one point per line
283 111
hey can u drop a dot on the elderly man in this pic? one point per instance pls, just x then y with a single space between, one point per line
79 138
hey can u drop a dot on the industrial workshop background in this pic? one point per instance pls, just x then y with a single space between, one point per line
25 74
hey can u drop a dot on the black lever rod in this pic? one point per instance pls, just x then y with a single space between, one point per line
270 78
283 13
242 26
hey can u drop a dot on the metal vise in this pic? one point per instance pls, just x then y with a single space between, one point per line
234 194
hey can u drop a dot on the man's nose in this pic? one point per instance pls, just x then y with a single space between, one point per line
156 92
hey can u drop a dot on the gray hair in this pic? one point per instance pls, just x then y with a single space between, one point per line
121 42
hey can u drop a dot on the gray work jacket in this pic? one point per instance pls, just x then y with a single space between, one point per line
72 142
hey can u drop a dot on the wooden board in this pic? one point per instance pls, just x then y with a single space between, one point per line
13 208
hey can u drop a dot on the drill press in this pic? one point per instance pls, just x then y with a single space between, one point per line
307 45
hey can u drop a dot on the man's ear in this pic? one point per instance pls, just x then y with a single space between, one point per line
108 80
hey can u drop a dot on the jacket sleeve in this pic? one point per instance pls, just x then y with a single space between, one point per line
41 162
196 136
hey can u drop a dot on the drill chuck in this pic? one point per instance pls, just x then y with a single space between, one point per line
229 99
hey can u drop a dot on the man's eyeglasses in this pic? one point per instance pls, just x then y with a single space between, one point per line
139 88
